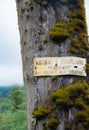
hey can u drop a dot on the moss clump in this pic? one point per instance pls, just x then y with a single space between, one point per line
73 95
54 78
76 24
75 43
68 126
52 123
73 50
83 118
59 32
45 40
87 67
79 46
40 112
80 104
76 3
77 14
83 37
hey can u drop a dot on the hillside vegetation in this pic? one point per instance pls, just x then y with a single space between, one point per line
13 109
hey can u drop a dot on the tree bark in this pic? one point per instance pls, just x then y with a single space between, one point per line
36 20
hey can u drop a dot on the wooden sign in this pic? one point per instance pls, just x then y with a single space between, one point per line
50 66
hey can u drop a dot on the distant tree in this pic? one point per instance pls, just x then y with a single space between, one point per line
16 96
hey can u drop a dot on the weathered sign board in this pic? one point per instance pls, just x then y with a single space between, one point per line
50 66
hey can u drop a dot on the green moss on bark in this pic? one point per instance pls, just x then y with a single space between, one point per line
59 32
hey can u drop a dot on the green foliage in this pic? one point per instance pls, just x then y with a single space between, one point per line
4 91
5 104
16 96
12 120
74 95
40 112
52 123
59 32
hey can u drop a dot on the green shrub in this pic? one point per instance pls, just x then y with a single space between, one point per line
52 123
59 32
40 112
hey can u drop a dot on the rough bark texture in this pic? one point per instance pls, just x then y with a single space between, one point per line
35 21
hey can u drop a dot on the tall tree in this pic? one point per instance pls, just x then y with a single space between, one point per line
16 96
49 28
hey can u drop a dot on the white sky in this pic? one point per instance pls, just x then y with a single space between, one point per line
10 56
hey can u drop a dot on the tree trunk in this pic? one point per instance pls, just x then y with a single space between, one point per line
36 18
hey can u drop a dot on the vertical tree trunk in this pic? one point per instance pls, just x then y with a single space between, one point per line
36 18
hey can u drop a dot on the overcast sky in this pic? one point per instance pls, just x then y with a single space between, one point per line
10 56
